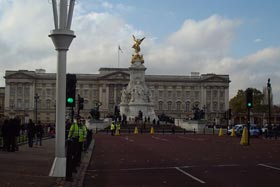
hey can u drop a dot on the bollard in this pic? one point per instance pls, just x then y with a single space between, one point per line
194 130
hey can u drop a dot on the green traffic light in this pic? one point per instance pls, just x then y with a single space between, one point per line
70 100
249 104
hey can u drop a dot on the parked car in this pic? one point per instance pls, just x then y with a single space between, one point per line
237 128
254 130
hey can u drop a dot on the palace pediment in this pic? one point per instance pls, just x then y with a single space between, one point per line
215 78
116 75
19 75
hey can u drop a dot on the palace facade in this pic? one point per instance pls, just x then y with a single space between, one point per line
172 95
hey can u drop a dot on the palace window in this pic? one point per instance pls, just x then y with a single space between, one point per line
188 94
178 104
188 106
160 105
179 94
169 105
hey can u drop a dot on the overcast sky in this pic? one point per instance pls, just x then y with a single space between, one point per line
235 37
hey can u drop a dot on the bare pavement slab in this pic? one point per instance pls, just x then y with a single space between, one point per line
31 167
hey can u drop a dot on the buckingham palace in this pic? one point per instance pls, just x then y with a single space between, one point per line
30 93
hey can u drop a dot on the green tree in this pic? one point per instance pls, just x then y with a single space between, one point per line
238 102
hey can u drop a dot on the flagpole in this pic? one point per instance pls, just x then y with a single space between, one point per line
119 57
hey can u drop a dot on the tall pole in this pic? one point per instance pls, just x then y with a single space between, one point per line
62 38
269 102
36 97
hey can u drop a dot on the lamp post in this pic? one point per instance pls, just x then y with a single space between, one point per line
269 102
62 37
36 97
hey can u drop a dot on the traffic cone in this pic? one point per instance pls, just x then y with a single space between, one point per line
117 133
221 132
136 130
233 133
152 130
244 138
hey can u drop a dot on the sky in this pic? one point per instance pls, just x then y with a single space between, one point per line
239 38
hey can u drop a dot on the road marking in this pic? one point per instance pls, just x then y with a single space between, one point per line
158 138
139 169
226 165
192 139
264 165
191 176
128 139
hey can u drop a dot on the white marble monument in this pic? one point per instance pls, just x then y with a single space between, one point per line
136 96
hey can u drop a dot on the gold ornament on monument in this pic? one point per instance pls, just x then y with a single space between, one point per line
137 49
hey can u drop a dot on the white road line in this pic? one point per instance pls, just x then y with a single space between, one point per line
139 169
158 138
267 166
191 176
128 139
226 165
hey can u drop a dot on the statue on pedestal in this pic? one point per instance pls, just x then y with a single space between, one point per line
95 114
136 96
136 47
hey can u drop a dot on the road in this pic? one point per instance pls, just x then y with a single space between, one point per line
182 160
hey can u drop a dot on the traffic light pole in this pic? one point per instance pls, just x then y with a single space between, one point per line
248 125
72 114
62 37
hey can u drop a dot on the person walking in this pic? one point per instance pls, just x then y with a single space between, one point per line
5 134
112 128
39 133
30 132
118 128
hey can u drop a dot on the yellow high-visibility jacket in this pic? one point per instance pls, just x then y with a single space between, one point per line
112 126
78 131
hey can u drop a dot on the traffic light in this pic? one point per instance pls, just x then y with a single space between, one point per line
70 90
80 103
249 98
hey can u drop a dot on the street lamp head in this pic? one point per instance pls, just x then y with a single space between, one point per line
64 19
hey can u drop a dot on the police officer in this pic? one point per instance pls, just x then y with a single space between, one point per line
118 127
112 128
78 134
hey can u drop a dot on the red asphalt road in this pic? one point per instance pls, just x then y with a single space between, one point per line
182 160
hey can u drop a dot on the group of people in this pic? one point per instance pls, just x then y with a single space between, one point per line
34 132
12 131
115 128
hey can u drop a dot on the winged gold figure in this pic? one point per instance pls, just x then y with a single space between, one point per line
137 43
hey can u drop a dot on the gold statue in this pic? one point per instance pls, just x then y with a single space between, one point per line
137 43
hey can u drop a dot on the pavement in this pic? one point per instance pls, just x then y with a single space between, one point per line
31 166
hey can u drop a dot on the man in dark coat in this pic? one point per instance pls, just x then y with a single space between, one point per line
5 134
30 132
